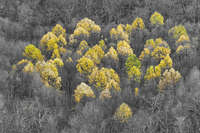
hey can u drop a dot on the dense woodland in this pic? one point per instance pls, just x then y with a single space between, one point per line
99 66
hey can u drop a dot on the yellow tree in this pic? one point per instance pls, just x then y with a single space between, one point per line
83 90
53 43
33 53
85 28
85 65
123 113
119 33
138 23
133 65
95 54
157 19
169 77
47 65
105 78
124 49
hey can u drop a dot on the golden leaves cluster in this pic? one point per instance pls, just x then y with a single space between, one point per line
49 72
112 53
157 49
138 24
33 53
84 28
133 65
123 113
169 77
105 78
124 49
119 33
53 42
85 65
83 90
157 19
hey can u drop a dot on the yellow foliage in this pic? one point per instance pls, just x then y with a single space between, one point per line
46 83
123 113
99 77
85 65
128 28
169 77
83 90
178 31
51 45
124 48
62 50
119 33
158 49
160 42
120 28
49 73
152 72
57 83
55 39
113 33
105 94
58 62
150 44
61 41
59 30
112 53
22 61
95 54
160 52
69 59
81 31
113 84
83 45
138 23
60 33
181 48
144 53
84 28
89 25
183 38
135 73
157 19
105 78
136 91
33 53
47 69
49 41
96 29
79 52
14 67
102 44
29 67
72 39
166 62
157 71
55 54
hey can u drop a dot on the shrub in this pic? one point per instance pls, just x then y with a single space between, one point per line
169 77
123 113
157 19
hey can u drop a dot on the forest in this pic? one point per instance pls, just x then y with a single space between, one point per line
99 66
